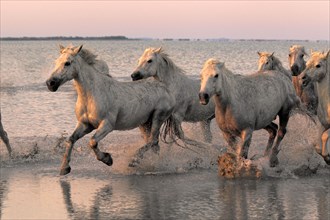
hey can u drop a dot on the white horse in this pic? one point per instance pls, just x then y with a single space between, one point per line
297 65
4 137
317 72
156 63
105 104
248 103
267 61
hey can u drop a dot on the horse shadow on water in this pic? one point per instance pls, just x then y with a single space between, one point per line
106 104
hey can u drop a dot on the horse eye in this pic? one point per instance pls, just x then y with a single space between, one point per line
302 55
216 75
289 55
67 63
266 63
318 66
149 61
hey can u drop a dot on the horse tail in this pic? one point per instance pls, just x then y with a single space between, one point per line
300 108
169 129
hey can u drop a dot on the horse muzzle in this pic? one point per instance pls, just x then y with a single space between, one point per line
53 84
204 98
305 80
136 76
295 70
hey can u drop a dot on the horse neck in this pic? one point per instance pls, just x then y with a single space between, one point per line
323 89
279 67
226 87
168 74
85 79
296 85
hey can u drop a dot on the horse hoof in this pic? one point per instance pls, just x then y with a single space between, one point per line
65 171
327 159
107 159
273 161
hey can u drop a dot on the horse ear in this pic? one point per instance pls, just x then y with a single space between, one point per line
76 50
259 54
158 50
272 54
312 51
61 48
327 55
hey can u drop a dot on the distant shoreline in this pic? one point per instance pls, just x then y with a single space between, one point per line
130 39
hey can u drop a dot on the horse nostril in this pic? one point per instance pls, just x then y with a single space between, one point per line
136 75
52 83
204 96
295 70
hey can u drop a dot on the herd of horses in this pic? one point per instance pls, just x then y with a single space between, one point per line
158 106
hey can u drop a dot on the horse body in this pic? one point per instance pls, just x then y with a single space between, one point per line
105 104
155 63
297 65
317 72
248 103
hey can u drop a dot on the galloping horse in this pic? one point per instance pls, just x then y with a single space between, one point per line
297 65
317 72
105 104
156 63
247 103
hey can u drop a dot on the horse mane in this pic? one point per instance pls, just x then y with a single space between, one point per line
88 56
296 48
90 59
172 68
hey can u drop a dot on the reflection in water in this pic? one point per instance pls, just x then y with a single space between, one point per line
3 191
38 193
77 212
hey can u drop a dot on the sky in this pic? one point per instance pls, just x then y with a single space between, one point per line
296 20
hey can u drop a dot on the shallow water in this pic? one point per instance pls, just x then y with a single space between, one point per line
178 183
36 191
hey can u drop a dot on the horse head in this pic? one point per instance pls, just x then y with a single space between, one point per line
296 59
317 68
266 61
209 78
148 64
65 68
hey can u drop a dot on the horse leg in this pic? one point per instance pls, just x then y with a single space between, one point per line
284 119
272 130
145 130
230 139
158 118
4 137
206 130
326 145
243 147
80 131
103 130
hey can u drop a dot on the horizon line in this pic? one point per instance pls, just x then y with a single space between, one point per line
121 37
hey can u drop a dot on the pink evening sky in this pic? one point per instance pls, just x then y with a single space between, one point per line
304 20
